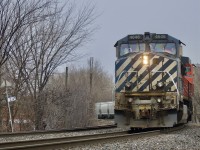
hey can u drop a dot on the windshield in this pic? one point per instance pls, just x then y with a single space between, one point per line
131 48
163 47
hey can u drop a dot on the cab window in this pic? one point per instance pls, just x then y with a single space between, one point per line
163 47
131 48
187 69
124 49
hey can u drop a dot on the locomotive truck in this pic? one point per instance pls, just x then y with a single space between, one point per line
153 82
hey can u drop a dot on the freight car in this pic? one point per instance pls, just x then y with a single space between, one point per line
153 81
105 110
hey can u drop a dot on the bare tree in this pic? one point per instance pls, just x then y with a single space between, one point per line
47 44
69 109
15 19
82 99
103 83
57 96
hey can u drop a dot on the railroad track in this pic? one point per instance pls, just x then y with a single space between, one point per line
74 141
46 132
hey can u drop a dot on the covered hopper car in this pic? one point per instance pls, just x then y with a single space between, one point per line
105 110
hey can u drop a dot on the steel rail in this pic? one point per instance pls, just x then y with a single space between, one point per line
69 142
45 132
168 130
42 143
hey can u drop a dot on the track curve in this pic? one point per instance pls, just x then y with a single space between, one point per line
66 142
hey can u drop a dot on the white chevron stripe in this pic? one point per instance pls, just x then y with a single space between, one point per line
123 78
171 66
144 68
156 68
167 69
174 75
121 68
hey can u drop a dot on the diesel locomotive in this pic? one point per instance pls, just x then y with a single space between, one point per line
153 82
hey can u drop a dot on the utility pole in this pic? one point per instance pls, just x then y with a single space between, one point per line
1 116
91 101
66 101
66 78
91 72
9 111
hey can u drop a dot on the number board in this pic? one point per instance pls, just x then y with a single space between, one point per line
160 36
135 37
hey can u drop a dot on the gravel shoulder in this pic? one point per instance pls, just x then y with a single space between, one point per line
186 139
66 134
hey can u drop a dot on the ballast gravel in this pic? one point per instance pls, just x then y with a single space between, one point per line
186 139
57 135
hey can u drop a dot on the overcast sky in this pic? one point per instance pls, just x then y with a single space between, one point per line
178 18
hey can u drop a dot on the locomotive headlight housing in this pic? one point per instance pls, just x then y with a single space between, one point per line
159 100
128 84
145 60
160 84
154 87
130 100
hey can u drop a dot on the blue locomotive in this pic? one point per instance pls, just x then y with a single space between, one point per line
153 82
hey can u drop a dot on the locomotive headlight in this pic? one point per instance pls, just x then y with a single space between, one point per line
159 100
145 59
154 87
130 100
160 84
128 84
